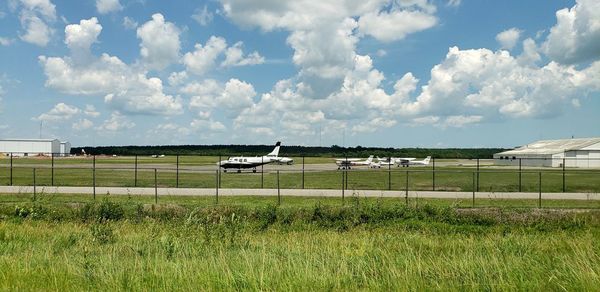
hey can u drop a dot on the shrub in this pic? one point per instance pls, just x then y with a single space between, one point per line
102 233
105 211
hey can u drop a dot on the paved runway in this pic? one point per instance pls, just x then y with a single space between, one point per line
294 192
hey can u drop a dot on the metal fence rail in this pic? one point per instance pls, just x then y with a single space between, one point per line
200 172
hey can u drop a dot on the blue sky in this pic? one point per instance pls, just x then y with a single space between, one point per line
404 73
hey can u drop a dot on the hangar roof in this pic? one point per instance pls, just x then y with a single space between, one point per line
30 140
553 146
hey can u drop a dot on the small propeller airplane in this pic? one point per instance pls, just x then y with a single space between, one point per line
241 162
347 163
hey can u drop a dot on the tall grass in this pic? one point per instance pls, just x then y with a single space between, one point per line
108 246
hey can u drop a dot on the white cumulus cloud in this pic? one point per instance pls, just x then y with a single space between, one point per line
160 44
508 38
576 35
115 123
60 112
108 6
34 16
123 87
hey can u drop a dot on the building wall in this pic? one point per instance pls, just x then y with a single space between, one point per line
65 148
576 158
29 147
539 160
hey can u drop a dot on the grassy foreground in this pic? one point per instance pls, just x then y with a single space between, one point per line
370 245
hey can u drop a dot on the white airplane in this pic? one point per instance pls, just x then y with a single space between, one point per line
347 163
383 162
406 162
241 162
284 160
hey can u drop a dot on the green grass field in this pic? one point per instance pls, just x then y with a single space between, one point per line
419 179
122 244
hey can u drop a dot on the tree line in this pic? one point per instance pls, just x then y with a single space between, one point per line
252 150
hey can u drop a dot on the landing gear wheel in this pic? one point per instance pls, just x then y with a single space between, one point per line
225 170
254 170
239 171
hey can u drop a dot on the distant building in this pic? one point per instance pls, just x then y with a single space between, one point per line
65 148
34 147
581 152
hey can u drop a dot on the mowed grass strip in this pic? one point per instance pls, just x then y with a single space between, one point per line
448 180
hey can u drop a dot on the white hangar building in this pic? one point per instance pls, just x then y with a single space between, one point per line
34 147
581 152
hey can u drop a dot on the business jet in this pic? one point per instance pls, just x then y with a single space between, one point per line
241 162
406 162
347 163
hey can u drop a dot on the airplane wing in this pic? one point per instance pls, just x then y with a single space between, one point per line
348 159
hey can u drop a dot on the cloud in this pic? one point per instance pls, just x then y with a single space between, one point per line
454 3
108 6
160 44
91 111
80 37
203 17
115 123
495 84
210 125
82 125
5 41
234 56
177 78
508 38
145 96
123 87
324 34
576 35
231 97
388 26
60 112
129 23
34 16
204 57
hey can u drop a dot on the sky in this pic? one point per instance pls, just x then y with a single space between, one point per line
402 73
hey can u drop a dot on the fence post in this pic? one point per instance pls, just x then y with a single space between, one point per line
52 171
34 185
155 187
406 188
135 172
177 173
346 181
262 173
390 175
94 174
520 174
540 190
217 174
433 174
564 188
473 189
278 190
477 175
11 169
302 172
343 178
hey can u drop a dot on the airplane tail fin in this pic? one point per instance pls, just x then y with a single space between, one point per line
370 159
426 160
275 151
